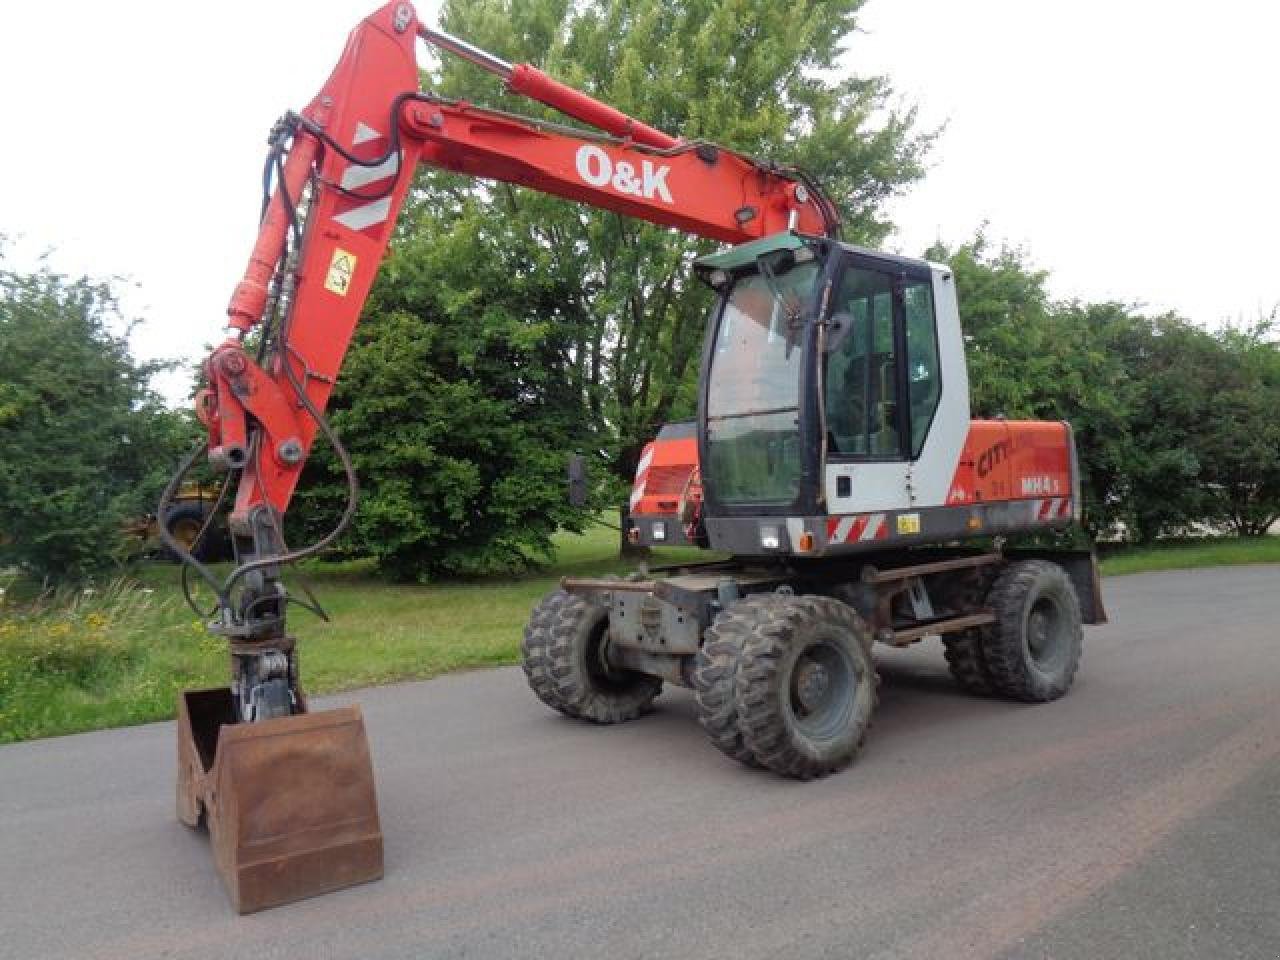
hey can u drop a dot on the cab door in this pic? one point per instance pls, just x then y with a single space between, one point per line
881 386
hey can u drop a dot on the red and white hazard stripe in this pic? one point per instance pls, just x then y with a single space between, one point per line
367 214
863 527
642 474
1054 508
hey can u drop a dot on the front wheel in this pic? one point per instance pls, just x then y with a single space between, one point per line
564 656
806 686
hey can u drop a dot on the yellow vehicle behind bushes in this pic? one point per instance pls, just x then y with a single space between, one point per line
192 506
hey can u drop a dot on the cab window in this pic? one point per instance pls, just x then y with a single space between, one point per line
864 374
924 384
861 375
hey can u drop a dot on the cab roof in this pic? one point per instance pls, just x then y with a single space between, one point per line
744 255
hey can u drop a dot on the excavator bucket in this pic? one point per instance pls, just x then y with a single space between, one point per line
289 803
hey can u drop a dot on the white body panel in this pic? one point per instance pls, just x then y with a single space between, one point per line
925 482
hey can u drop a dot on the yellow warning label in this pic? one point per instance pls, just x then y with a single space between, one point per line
341 269
908 523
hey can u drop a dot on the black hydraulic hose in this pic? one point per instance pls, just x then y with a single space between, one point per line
209 519
170 541
287 201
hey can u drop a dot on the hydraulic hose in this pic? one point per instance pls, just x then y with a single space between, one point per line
170 541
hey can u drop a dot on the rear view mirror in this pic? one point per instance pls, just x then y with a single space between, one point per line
577 481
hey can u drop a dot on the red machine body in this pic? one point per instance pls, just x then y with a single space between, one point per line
1002 461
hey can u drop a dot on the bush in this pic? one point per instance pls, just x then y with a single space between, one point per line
84 442
1175 424
454 405
67 651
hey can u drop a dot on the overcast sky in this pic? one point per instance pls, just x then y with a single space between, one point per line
1130 145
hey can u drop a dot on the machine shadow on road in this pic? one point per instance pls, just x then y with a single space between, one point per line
916 695
916 689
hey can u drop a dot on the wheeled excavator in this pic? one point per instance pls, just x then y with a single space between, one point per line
833 461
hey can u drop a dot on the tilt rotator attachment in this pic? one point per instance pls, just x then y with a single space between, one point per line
287 795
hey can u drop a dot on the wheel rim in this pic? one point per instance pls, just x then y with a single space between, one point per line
596 651
1048 635
823 690
185 531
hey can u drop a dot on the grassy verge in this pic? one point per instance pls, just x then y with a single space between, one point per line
1189 554
120 654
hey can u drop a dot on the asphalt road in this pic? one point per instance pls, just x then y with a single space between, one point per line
1139 817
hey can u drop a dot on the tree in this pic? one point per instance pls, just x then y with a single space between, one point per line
1178 365
456 408
1242 451
748 74
1030 358
1210 415
84 442
1174 424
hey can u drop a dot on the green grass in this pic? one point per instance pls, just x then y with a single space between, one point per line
1189 554
121 654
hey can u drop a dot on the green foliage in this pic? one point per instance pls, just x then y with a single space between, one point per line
84 442
1033 359
1174 424
1209 428
457 408
73 659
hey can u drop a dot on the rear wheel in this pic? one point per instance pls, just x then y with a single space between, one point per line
1032 651
967 660
805 686
564 656
966 656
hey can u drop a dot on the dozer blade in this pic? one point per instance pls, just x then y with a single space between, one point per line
289 803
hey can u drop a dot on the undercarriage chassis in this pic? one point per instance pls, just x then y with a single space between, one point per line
657 624
779 654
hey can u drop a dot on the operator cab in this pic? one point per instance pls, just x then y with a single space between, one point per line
833 382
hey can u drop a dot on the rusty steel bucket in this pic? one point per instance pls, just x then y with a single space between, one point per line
289 803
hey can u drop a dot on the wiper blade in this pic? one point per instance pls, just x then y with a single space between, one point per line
752 413
789 309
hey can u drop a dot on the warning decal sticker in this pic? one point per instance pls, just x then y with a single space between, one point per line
341 268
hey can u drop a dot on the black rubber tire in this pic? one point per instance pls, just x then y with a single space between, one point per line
967 660
817 629
715 675
1024 591
191 516
959 595
563 659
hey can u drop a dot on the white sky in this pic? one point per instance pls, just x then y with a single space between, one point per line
1130 145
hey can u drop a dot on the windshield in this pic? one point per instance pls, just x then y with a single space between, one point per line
753 394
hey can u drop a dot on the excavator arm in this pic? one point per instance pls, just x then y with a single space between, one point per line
288 794
341 170
349 157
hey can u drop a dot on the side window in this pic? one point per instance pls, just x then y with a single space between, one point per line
861 376
923 381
